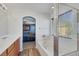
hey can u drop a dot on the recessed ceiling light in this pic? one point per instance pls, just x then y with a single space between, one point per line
52 7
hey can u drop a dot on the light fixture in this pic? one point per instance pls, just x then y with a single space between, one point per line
52 7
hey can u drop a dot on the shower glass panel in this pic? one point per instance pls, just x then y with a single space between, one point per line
67 30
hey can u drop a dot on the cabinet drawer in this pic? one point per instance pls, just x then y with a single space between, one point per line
11 48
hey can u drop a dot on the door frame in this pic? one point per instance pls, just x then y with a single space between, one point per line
22 31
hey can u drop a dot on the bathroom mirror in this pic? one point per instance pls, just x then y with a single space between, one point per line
3 22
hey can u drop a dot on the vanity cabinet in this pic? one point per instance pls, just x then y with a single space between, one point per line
17 47
13 50
4 53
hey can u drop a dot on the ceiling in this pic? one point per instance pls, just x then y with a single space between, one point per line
45 8
74 5
38 7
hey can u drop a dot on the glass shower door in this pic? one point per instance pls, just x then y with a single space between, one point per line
67 30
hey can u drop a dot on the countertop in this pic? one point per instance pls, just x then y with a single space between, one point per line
5 43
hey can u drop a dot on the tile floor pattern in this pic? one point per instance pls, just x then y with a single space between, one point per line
30 50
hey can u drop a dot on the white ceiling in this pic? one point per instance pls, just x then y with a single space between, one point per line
38 7
74 5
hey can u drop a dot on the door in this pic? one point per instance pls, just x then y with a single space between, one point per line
65 32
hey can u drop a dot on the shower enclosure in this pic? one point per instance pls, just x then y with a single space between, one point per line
63 37
65 30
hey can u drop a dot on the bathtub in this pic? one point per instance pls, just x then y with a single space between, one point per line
45 46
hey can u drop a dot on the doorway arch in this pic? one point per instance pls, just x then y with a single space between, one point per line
29 21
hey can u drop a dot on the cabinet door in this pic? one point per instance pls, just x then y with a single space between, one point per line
17 46
4 53
10 48
12 53
13 50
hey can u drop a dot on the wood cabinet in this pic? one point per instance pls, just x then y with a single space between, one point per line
10 48
17 47
13 50
4 53
12 53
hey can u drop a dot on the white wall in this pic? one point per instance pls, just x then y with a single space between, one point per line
15 15
3 23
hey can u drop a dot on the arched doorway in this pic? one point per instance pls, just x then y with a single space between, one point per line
29 32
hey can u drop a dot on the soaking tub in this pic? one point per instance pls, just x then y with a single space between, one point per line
45 46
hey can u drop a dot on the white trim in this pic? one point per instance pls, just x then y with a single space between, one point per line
21 40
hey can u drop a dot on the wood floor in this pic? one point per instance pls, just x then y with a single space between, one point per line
30 50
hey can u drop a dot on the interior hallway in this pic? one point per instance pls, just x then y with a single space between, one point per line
29 49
